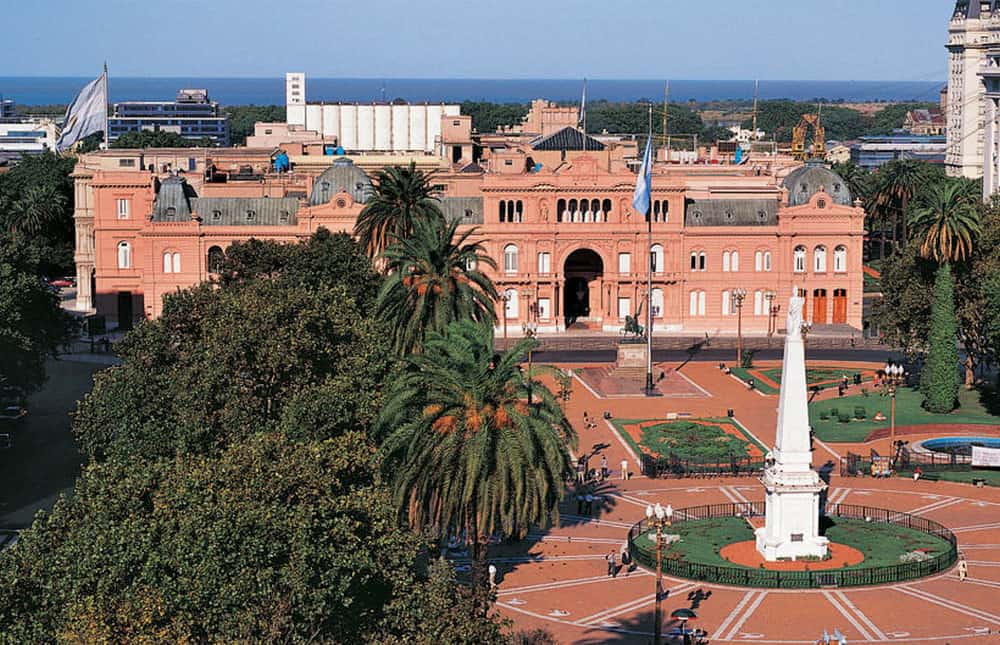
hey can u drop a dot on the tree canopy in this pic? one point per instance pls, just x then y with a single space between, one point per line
157 139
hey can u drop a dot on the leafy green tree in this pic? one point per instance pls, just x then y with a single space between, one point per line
894 186
243 117
939 378
38 209
152 139
32 324
274 541
904 312
892 117
858 179
223 364
487 116
466 454
946 219
399 198
433 280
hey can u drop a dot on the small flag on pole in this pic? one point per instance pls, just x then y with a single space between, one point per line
582 121
87 113
643 184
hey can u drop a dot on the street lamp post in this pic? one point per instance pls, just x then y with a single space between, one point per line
505 298
771 314
894 377
738 297
530 329
659 517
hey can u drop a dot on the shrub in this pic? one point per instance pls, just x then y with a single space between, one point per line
834 412
824 416
860 412
746 358
844 418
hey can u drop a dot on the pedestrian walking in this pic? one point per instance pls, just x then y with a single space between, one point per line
626 559
625 469
589 505
493 577
963 568
581 471
579 504
604 467
612 564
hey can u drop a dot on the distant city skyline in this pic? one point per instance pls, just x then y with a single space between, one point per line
559 39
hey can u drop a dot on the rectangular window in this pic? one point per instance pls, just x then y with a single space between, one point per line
126 163
624 263
544 309
624 307
123 209
544 263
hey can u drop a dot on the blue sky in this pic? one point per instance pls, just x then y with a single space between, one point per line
614 39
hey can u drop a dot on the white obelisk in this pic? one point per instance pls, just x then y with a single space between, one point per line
793 488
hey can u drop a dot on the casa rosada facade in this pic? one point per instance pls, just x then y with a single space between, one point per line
554 213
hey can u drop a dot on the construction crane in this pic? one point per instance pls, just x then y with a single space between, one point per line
799 138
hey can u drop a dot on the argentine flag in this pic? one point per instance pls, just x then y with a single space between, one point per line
87 114
643 184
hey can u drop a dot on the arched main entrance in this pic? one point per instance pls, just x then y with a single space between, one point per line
581 297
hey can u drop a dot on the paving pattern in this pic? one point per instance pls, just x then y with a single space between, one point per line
557 578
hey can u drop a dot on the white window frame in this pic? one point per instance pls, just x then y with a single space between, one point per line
725 261
167 265
512 306
734 261
624 307
819 259
656 257
657 303
625 263
727 303
840 259
544 309
176 260
544 263
124 208
758 261
799 260
124 255
510 258
767 261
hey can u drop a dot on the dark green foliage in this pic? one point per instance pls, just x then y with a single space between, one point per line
36 199
844 418
746 358
939 378
400 197
243 117
892 117
32 324
903 313
778 118
156 139
273 541
434 280
860 412
487 117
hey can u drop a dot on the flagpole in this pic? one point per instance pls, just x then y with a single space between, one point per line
107 98
649 273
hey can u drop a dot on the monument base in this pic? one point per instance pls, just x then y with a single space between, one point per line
791 529
633 355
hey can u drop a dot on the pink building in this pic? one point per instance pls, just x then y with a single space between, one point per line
553 210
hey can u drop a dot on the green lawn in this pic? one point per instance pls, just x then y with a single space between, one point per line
646 445
823 376
908 412
992 477
882 544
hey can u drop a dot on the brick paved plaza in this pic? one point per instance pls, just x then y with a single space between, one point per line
557 579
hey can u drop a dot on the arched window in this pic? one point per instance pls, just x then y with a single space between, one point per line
562 215
168 266
734 261
544 263
693 305
574 211
840 259
656 257
503 211
701 303
519 209
215 259
799 260
758 261
767 260
819 259
124 255
595 210
606 207
701 261
725 261
176 257
727 303
511 306
510 259
758 303
657 303
694 261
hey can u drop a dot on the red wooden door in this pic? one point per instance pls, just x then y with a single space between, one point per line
819 307
840 306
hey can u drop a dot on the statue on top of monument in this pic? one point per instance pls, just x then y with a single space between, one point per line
794 323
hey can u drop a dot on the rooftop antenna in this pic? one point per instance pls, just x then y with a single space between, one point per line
383 91
666 102
756 88
583 115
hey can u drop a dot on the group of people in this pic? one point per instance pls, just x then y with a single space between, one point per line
619 561
585 475
881 468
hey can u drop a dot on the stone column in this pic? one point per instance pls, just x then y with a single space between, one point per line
989 149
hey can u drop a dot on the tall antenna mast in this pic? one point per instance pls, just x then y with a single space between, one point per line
666 102
756 88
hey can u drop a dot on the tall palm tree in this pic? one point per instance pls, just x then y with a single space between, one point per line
464 451
37 208
946 217
895 185
398 199
434 280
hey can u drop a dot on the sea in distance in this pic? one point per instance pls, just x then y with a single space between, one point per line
271 91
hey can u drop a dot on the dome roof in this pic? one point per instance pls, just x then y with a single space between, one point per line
342 176
802 183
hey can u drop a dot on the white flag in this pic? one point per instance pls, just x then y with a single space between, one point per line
643 183
87 114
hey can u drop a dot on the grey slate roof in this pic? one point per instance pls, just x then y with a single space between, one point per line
731 212
173 200
467 210
344 176
566 139
972 8
246 211
802 183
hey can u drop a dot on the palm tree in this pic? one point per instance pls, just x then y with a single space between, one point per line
398 199
464 451
947 219
433 281
895 184
38 207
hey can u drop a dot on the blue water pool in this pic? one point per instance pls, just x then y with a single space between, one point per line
960 445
